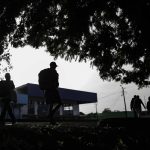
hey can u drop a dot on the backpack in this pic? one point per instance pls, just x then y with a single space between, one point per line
48 79
42 79
3 89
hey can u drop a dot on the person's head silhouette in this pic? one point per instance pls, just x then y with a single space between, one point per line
53 65
7 76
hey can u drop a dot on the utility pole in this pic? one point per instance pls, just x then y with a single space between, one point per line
124 101
145 103
96 111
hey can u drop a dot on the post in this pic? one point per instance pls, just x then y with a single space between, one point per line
96 111
124 101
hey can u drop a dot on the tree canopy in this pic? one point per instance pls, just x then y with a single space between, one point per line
112 34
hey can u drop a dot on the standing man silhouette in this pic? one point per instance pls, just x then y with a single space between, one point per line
6 99
48 82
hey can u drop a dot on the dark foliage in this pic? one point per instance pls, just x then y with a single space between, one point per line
112 34
37 137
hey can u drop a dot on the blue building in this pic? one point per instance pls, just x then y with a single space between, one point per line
30 101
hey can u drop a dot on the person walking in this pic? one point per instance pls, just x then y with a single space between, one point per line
135 105
132 106
7 98
49 83
148 105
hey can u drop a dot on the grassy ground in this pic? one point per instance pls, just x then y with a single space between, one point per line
71 135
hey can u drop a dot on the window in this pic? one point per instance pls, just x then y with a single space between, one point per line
68 108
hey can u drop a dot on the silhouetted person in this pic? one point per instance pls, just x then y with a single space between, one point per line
7 98
132 105
48 81
135 105
148 105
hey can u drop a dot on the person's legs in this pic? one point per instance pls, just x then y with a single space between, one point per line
53 112
57 101
50 115
56 108
49 103
10 112
52 96
139 113
135 114
3 112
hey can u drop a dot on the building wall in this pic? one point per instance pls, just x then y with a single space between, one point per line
24 110
36 106
22 98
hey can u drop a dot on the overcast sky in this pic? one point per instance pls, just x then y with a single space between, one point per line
27 62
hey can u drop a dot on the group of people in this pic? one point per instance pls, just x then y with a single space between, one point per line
48 83
136 106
